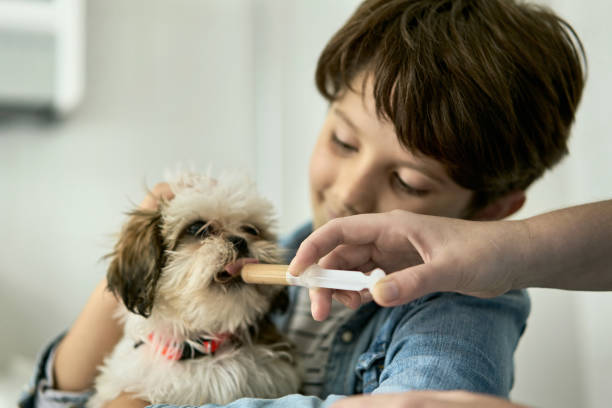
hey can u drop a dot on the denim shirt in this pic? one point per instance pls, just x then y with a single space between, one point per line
442 341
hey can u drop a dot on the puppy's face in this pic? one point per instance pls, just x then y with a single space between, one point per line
181 263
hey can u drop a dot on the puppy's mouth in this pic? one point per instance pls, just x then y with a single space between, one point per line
230 275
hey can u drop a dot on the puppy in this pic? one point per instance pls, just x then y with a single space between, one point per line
194 332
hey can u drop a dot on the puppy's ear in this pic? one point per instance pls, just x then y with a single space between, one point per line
137 261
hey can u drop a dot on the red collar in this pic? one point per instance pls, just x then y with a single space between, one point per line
172 350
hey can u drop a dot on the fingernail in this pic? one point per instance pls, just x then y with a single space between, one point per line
386 290
290 269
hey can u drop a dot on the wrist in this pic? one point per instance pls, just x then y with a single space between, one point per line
533 257
522 262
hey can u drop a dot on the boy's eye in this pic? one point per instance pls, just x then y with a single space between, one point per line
407 188
249 229
343 145
198 229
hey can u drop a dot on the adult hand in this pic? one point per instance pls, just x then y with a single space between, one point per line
428 399
421 254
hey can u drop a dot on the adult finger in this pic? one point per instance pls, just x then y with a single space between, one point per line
349 257
320 303
351 298
355 258
408 284
348 298
354 230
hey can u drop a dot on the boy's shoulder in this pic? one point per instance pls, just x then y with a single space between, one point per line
448 309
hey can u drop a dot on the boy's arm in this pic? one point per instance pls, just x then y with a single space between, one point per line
89 340
96 331
66 368
448 341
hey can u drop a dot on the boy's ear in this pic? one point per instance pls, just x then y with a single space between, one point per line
501 207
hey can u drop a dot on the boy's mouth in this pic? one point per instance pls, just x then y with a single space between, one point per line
333 212
330 214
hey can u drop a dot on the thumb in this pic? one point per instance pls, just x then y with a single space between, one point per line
408 284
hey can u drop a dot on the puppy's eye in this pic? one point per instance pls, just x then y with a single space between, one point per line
198 229
249 229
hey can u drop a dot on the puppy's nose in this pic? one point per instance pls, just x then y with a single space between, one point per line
240 245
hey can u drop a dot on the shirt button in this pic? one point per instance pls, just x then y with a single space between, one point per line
347 336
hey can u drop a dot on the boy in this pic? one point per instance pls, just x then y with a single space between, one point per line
443 107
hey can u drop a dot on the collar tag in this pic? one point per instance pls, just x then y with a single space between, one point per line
175 351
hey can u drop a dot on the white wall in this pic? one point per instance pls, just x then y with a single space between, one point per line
167 82
291 33
565 357
230 83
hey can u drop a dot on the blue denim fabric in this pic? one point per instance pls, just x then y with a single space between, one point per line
41 391
442 341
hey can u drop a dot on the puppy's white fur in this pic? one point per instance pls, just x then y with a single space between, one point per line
188 302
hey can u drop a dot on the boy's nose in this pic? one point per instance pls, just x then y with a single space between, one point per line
357 191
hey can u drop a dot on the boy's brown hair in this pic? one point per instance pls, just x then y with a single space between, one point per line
487 87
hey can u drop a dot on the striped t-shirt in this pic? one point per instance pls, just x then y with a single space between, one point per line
313 340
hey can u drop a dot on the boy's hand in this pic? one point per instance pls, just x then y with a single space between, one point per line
432 399
125 400
161 190
421 254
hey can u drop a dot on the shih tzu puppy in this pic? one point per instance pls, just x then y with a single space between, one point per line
194 332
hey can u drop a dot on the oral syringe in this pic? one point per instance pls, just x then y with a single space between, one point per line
313 277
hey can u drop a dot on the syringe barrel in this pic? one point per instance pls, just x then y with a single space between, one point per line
315 276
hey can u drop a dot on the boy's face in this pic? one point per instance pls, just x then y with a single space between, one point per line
358 166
